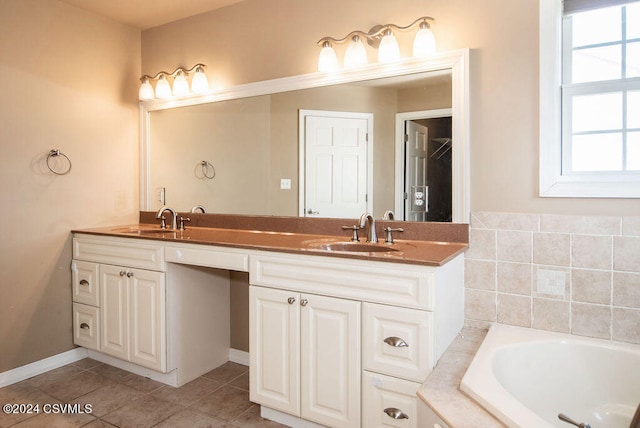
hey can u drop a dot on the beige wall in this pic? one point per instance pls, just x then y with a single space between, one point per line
265 39
68 81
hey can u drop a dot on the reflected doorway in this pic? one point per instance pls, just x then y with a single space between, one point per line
424 188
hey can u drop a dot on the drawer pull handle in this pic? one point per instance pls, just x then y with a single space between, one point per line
84 326
84 282
394 413
304 302
291 300
396 342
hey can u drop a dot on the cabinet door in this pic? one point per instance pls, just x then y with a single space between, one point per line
330 360
274 348
114 336
147 328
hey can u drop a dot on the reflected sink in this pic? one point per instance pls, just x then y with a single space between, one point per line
354 247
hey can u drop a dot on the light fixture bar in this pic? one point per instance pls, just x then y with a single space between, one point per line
199 83
379 37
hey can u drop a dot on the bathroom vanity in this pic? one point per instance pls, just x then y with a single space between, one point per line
337 337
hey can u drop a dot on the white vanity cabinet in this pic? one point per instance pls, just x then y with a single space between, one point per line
400 320
126 299
305 355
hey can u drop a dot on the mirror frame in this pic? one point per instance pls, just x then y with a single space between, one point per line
457 61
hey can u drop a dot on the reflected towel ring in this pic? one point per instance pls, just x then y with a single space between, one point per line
208 171
54 153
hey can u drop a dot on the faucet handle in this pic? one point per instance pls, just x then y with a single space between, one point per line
389 238
182 220
354 228
163 223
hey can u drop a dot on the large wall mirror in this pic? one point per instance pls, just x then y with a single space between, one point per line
386 137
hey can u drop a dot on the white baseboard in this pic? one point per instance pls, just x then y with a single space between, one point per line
38 367
240 357
285 419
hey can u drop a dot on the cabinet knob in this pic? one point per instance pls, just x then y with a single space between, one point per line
84 282
129 274
122 273
84 326
396 342
394 413
291 300
304 302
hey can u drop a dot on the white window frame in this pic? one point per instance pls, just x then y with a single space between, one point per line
553 183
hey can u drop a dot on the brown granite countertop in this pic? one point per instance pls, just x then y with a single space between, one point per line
269 234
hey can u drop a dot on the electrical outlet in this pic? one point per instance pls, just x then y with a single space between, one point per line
551 282
285 183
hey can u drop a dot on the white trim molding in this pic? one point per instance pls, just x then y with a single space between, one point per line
38 367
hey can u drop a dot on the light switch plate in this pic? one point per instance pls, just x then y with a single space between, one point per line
551 282
285 183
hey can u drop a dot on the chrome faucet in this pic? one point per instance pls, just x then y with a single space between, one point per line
367 219
388 215
198 208
174 219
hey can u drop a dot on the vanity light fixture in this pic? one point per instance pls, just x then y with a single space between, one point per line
380 37
199 83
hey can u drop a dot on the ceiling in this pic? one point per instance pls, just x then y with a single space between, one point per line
145 14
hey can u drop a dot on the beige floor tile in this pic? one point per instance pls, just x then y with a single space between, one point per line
241 382
141 383
111 372
190 418
227 402
87 363
252 419
53 376
98 423
188 393
72 387
56 421
109 398
144 412
226 372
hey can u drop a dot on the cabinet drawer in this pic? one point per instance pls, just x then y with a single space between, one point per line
406 285
116 251
389 402
86 329
397 341
84 276
202 255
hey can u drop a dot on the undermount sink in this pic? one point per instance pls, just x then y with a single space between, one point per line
139 231
354 247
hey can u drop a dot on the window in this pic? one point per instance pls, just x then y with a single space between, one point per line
590 98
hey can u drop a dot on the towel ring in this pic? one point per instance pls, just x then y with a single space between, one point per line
54 153
208 171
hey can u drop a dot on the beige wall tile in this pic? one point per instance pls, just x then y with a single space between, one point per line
626 290
480 274
631 226
591 225
626 325
514 278
591 320
514 310
552 249
591 252
514 246
626 253
480 305
551 315
591 286
507 221
482 244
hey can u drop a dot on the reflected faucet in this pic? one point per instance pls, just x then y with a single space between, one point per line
388 215
198 208
368 220
174 219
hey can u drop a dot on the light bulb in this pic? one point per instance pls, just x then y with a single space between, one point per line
180 85
163 90
424 44
356 54
327 61
389 50
146 91
199 83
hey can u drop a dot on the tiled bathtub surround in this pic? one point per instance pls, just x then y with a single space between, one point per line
572 274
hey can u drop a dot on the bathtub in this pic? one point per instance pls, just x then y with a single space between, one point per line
525 377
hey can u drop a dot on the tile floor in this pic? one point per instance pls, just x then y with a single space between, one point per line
118 398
